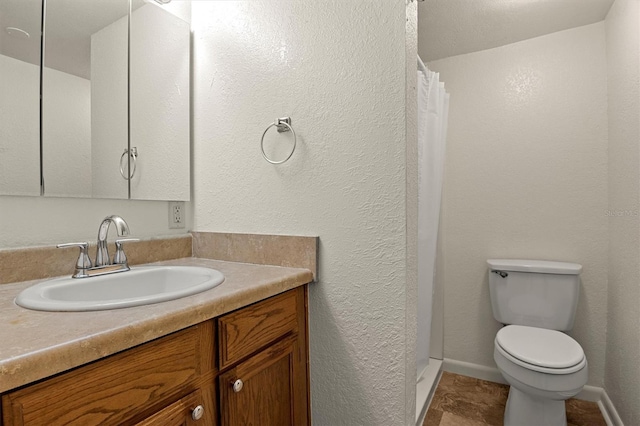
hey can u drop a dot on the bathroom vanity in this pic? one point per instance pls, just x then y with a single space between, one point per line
236 354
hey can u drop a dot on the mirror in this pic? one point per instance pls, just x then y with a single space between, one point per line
84 98
115 102
20 42
159 102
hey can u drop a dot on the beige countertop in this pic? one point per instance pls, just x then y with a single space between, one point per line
35 344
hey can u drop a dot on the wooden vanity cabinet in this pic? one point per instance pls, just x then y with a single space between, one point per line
124 388
162 382
187 411
264 364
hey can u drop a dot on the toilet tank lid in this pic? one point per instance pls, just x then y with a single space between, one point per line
538 266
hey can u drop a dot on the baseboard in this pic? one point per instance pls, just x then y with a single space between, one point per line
473 370
589 393
608 410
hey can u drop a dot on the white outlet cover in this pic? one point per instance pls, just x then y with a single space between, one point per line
176 215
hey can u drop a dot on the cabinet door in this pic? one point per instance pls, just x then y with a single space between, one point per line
116 389
247 330
273 391
188 411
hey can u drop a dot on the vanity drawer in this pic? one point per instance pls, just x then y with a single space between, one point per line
113 390
249 329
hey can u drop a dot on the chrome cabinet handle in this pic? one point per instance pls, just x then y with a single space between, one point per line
237 386
197 413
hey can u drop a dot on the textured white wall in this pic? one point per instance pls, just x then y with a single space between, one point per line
36 221
338 69
19 127
622 374
411 199
526 177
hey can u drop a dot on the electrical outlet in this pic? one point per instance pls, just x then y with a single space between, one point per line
176 214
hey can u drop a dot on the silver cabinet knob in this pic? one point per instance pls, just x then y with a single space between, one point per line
237 386
197 413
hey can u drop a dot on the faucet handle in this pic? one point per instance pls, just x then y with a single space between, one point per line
120 258
84 261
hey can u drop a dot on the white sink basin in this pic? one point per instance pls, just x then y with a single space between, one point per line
139 286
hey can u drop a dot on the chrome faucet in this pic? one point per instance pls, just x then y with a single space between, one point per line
103 264
102 252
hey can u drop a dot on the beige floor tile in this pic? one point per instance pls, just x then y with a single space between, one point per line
449 419
433 418
459 399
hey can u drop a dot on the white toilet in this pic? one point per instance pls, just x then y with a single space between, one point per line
537 300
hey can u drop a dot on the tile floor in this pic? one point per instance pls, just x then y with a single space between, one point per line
465 401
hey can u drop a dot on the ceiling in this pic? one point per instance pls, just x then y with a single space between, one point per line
445 27
455 27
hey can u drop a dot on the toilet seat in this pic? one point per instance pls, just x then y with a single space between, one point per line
539 349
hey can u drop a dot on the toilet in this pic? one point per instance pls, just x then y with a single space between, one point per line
536 301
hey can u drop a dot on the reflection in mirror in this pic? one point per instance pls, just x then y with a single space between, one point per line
159 101
20 29
84 90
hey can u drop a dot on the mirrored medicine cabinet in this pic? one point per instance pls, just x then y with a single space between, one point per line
98 107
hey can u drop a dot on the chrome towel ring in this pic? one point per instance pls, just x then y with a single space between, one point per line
283 125
134 156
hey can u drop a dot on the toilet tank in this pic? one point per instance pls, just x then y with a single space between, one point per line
536 293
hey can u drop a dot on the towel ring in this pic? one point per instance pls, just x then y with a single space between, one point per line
283 125
134 155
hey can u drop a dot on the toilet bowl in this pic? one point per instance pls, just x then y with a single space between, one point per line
544 368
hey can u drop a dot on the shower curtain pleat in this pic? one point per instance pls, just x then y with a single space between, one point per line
433 108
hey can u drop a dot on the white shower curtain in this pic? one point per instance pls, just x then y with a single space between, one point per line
433 108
